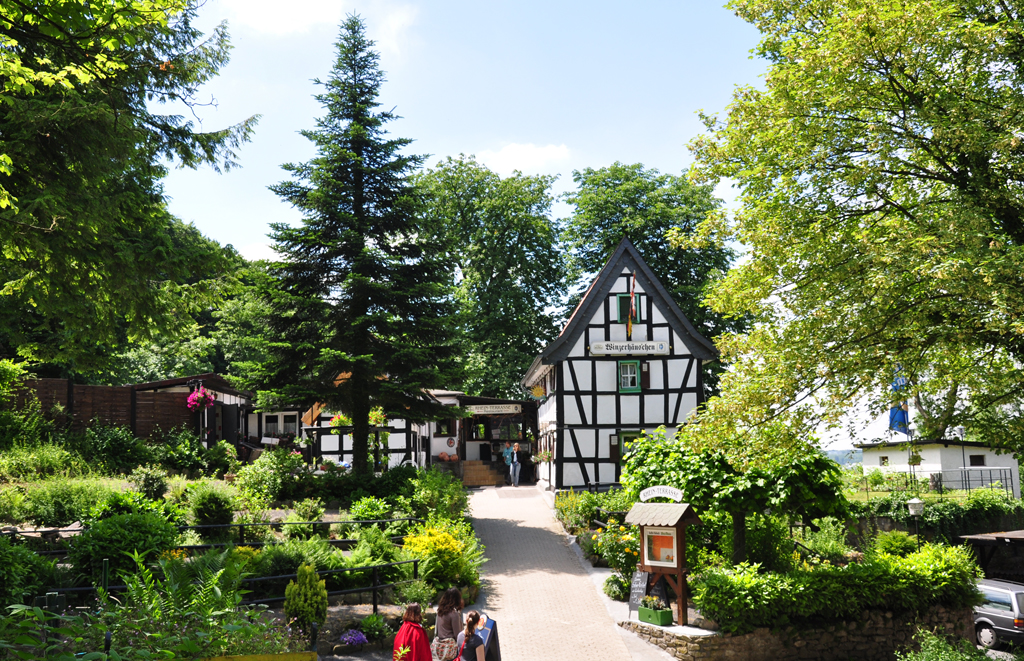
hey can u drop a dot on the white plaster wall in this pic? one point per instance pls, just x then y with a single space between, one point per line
607 375
657 317
572 476
605 410
630 409
657 371
654 408
584 376
676 372
587 440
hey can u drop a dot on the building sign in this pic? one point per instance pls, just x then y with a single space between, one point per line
629 348
494 409
661 492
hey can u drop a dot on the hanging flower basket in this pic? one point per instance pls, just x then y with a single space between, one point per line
200 399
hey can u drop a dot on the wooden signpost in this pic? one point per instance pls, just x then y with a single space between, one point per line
662 543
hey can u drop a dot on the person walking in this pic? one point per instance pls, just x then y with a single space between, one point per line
507 455
515 465
411 636
448 626
471 645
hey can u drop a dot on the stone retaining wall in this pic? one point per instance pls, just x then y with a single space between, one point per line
877 635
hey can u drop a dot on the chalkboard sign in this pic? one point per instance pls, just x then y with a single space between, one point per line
638 590
660 589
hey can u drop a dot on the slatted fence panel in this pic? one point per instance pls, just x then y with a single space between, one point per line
157 412
110 405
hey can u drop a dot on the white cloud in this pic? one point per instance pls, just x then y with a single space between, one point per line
529 158
387 22
254 251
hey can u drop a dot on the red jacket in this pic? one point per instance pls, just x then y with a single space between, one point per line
413 636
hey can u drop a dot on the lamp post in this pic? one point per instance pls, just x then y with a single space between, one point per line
916 508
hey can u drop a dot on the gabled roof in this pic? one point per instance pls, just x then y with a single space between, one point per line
661 514
211 381
624 257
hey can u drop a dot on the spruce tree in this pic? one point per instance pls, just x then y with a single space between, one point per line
361 309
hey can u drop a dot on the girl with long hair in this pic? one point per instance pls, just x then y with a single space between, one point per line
411 635
472 645
449 624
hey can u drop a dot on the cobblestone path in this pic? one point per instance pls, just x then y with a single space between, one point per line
543 602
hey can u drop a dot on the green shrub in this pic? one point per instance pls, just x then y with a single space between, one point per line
133 502
449 552
743 598
114 448
829 541
619 545
183 451
311 509
938 648
417 592
150 481
768 542
616 587
118 536
983 511
41 461
252 509
177 488
13 505
221 458
375 627
285 558
438 494
370 509
60 502
19 573
306 599
211 505
268 476
895 542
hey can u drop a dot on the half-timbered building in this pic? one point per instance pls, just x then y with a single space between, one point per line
622 365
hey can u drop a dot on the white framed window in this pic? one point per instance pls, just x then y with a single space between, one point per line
629 376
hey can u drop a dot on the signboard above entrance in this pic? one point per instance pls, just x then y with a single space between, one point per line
661 492
494 409
629 348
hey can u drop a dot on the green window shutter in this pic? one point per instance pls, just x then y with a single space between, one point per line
622 308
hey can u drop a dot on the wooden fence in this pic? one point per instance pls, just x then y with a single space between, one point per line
144 412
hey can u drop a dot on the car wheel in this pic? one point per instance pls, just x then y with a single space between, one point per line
987 637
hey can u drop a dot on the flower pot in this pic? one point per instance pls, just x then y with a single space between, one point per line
662 618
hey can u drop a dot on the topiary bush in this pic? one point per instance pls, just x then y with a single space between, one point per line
150 481
116 537
211 505
305 599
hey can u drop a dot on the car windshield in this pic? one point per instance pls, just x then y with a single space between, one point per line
997 600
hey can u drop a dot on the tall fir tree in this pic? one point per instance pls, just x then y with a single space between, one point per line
360 316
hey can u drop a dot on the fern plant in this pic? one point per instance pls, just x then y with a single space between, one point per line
305 599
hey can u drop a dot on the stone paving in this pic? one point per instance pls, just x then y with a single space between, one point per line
534 586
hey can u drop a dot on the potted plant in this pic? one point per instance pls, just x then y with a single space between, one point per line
654 611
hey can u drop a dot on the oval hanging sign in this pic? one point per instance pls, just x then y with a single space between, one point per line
661 492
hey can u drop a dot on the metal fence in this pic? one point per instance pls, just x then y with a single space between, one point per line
939 482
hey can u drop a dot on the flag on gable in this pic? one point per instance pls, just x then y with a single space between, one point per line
632 308
899 415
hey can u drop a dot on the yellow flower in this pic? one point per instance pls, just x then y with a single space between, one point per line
622 528
595 537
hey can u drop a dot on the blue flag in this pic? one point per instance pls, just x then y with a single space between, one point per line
899 416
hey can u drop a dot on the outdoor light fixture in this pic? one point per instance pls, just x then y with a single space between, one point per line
916 508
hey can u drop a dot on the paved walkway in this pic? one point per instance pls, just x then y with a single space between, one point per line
543 601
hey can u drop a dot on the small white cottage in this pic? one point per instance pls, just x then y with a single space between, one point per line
622 365
957 464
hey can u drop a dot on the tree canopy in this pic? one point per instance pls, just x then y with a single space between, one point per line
648 207
360 313
510 275
89 255
880 172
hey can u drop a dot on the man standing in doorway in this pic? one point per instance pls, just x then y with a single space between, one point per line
507 455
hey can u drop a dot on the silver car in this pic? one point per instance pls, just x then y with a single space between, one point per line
1000 618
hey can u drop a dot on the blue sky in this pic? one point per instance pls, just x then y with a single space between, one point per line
537 86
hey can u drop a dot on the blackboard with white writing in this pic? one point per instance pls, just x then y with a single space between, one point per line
638 590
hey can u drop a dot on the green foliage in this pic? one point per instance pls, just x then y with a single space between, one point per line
375 627
938 648
60 503
19 573
617 587
118 536
438 494
362 287
133 502
829 541
150 481
311 509
619 545
894 542
450 552
221 458
511 280
644 205
744 598
183 451
306 599
41 461
13 505
984 510
370 509
285 558
25 426
417 592
210 504
270 475
575 510
114 448
253 509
